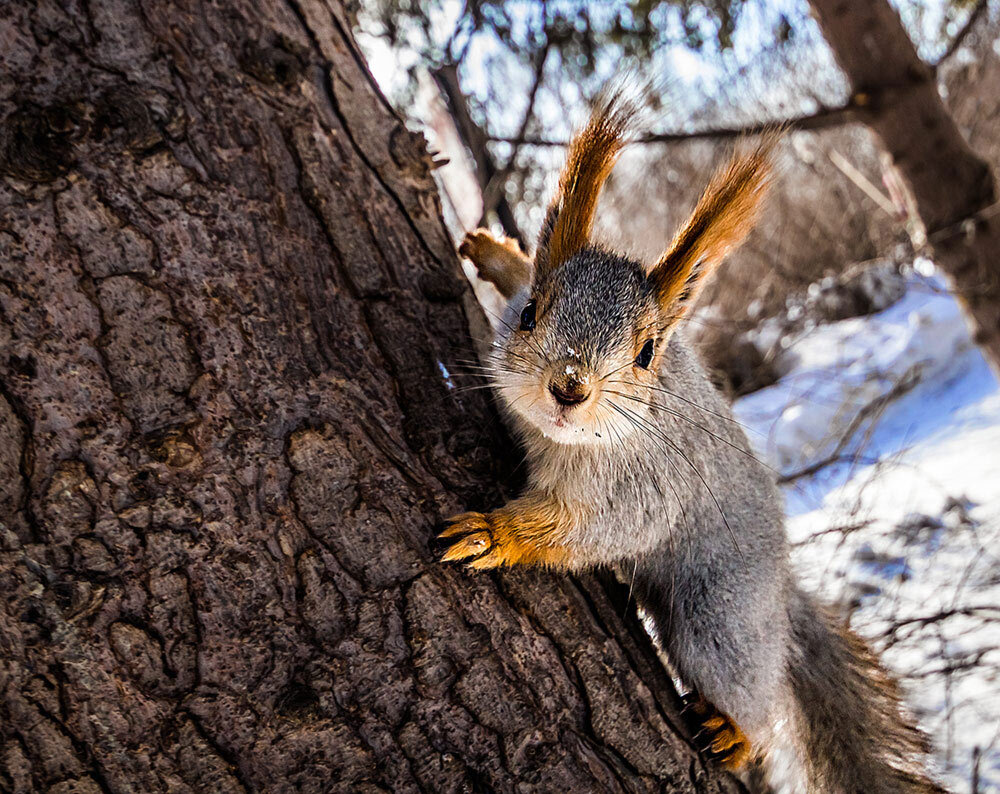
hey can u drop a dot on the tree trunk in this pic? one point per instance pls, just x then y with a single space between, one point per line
953 188
226 437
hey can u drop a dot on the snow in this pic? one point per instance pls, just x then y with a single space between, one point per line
904 528
446 375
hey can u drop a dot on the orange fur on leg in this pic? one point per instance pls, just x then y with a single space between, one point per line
528 531
501 262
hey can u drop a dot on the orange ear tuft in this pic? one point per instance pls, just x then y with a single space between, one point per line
723 217
592 155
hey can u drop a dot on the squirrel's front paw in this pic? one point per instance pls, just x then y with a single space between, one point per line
500 262
470 537
475 243
715 734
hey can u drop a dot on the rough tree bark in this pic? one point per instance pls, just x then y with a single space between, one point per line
896 95
225 440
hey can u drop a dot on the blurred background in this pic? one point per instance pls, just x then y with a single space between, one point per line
842 343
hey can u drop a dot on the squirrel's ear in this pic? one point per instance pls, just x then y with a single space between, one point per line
592 155
723 217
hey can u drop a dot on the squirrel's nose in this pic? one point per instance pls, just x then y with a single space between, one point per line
569 391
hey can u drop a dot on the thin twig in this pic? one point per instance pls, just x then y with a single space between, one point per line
847 168
905 384
493 190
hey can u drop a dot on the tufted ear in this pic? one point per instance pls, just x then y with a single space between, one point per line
723 217
592 155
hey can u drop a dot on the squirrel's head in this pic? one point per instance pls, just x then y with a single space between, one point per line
573 346
579 352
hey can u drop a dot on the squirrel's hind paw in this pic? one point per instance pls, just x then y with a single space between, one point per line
715 734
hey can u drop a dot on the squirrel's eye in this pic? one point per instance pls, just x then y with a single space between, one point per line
645 357
528 316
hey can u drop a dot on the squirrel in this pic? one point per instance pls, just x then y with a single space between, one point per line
636 464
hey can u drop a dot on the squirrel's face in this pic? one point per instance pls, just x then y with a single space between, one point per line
577 355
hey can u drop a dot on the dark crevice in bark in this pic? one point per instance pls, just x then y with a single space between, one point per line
636 643
25 459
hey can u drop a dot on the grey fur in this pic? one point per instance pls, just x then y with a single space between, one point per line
612 293
675 497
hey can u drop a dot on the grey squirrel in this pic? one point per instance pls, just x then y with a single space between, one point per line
637 464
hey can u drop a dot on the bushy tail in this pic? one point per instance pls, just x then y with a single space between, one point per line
857 738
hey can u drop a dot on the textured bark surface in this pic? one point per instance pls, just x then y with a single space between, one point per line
225 440
953 188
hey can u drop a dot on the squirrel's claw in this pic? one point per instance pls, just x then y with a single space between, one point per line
468 538
726 744
505 537
716 735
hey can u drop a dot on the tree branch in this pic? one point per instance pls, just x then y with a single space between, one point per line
493 190
826 116
874 408
960 36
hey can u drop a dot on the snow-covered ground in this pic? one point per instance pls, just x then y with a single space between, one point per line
903 523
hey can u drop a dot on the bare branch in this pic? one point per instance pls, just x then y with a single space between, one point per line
474 139
494 189
826 116
874 408
989 612
961 35
848 169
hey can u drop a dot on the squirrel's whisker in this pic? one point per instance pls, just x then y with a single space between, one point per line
531 343
623 366
631 419
657 407
689 402
533 364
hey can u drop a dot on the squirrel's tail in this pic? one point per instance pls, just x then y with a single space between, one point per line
857 739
